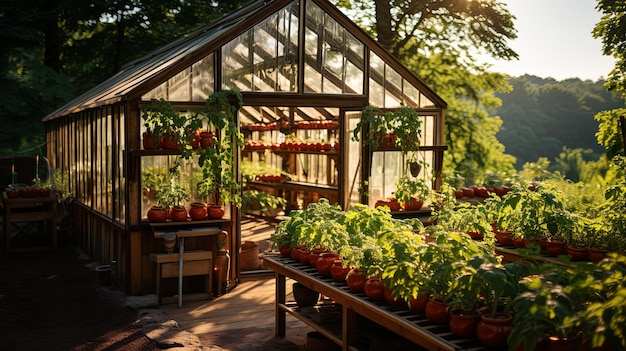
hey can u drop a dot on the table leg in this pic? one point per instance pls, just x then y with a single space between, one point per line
181 251
280 299
348 326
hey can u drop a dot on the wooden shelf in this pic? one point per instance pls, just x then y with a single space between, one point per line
401 321
421 148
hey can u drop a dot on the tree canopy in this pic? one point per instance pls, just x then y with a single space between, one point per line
611 29
53 50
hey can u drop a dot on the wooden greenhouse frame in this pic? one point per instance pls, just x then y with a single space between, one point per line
293 62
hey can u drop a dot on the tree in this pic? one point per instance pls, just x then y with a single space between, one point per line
612 30
53 50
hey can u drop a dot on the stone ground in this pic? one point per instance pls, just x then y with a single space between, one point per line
53 301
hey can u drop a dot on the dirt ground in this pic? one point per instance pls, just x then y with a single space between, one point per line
53 301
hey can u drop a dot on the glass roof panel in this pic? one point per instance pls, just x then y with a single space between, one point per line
202 78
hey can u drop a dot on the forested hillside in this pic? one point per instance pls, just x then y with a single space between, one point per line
541 116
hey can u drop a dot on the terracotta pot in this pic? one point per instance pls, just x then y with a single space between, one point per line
436 312
45 192
475 235
148 141
414 205
215 211
519 243
374 288
597 255
504 238
157 214
339 272
555 248
285 250
197 211
325 263
578 253
303 256
396 302
493 331
356 280
314 256
304 296
556 344
168 143
12 193
206 140
418 305
179 214
295 253
463 325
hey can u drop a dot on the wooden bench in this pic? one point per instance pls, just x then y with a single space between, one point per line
195 263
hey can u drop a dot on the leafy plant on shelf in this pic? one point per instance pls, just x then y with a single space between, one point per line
173 195
161 119
408 188
448 248
316 226
255 200
544 310
468 218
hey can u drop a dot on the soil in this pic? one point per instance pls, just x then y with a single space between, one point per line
52 301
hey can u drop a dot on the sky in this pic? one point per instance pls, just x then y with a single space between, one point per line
554 40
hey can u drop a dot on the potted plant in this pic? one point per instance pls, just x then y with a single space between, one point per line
498 284
268 205
542 312
165 126
412 193
470 219
602 287
467 300
173 197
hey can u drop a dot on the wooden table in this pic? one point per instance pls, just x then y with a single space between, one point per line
198 260
401 321
29 210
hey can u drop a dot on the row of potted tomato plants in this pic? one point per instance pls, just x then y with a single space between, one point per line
25 191
456 271
329 125
197 211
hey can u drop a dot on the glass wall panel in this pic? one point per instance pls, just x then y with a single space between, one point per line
352 161
389 166
288 69
236 69
388 89
119 142
159 92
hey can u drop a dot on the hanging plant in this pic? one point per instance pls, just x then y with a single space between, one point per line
217 162
401 128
